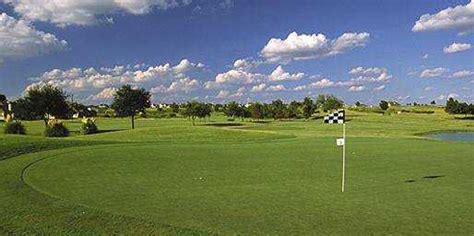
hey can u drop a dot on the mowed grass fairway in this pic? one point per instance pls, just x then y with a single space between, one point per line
280 177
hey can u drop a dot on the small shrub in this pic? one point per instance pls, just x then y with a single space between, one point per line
391 111
109 113
88 126
56 128
383 105
14 127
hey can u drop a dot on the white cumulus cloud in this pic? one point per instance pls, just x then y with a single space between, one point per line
320 84
226 94
19 39
457 47
105 94
97 84
304 46
280 75
238 77
356 88
371 74
86 12
184 85
462 74
379 88
429 88
223 94
460 17
246 64
276 88
258 88
433 73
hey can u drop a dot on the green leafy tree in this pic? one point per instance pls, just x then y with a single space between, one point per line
205 110
471 109
320 100
455 107
174 107
463 108
243 112
232 109
45 101
82 110
278 109
22 110
433 102
257 111
329 102
129 102
195 109
3 103
293 110
451 106
308 107
383 105
217 107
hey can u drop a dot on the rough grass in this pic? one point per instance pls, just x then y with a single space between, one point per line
168 177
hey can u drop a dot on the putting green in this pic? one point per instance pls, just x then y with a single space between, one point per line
289 186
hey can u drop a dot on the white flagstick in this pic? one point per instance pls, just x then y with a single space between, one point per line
343 155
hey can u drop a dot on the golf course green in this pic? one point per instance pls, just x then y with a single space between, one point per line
240 177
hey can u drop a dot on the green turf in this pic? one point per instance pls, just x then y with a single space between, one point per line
168 177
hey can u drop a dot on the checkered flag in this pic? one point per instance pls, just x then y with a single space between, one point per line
335 118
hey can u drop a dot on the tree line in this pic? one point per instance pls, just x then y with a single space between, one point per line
277 109
43 102
455 107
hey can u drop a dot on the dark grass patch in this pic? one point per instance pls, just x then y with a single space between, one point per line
100 131
433 132
224 124
464 118
428 177
287 120
433 176
422 112
261 121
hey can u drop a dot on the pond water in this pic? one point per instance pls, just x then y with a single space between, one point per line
453 136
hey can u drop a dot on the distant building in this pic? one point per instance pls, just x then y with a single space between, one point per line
393 104
8 114
163 105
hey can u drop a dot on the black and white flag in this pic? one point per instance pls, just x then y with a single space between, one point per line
335 118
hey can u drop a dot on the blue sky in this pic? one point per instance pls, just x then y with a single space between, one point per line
180 50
